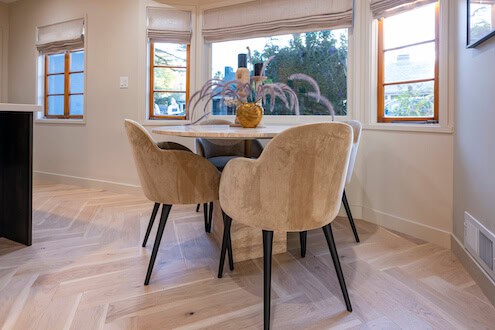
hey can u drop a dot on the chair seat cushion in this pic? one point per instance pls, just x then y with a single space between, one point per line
221 161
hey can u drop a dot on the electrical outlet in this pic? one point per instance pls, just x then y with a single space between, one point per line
124 82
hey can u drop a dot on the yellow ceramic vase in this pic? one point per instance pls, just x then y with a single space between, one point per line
249 115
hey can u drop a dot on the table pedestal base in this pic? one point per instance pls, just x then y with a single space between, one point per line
247 242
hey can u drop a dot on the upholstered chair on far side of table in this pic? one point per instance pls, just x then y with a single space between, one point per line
219 152
357 129
170 177
296 185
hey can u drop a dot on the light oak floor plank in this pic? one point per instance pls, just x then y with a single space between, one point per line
86 270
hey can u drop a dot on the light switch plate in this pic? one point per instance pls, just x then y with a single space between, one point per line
124 82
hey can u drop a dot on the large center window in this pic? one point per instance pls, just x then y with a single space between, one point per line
321 55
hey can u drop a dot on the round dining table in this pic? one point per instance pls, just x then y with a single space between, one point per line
222 131
246 241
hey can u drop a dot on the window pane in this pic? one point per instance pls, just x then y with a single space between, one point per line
321 55
410 27
56 84
76 105
170 104
56 105
77 61
56 63
170 54
77 83
170 79
410 63
409 100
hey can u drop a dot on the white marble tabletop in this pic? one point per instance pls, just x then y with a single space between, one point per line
222 131
9 107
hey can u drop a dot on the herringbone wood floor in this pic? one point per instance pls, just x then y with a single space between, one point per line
86 268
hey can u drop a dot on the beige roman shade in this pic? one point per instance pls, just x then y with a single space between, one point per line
61 36
384 8
169 25
274 17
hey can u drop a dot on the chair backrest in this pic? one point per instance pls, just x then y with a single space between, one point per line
171 176
357 128
296 184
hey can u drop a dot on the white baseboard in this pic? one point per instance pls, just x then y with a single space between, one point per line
477 272
88 183
406 226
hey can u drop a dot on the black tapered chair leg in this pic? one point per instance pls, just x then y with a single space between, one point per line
210 218
267 276
197 207
229 248
349 216
163 221
227 221
336 262
205 213
150 224
302 238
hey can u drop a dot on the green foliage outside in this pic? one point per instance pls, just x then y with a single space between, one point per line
411 101
317 54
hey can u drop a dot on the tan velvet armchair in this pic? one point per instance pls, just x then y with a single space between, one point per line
170 176
219 152
296 185
357 129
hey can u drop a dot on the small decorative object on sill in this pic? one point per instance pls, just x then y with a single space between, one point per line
249 97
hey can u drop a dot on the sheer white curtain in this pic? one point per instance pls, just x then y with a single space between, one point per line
169 25
273 17
384 8
61 36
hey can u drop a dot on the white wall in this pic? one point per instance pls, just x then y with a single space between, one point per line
407 182
4 34
474 142
402 179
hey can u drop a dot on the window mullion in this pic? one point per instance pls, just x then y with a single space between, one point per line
46 85
67 85
380 74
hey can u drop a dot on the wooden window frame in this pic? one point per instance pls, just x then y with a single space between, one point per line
67 94
381 75
151 110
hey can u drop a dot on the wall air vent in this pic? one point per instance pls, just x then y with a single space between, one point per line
480 243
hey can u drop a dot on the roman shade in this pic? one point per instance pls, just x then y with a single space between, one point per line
169 25
384 8
61 36
274 17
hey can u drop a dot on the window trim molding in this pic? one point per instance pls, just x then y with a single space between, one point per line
143 83
40 118
381 74
366 73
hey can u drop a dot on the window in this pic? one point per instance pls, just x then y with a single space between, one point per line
64 85
169 80
321 55
408 66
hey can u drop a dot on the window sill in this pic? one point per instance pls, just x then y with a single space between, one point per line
288 120
60 121
400 127
165 122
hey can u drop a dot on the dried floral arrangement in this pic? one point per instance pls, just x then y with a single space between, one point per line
234 93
